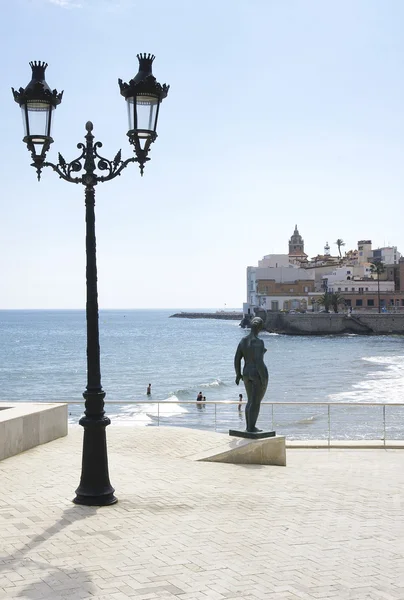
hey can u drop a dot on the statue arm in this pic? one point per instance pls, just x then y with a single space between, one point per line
237 364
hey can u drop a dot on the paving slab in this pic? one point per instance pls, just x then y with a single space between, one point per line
329 525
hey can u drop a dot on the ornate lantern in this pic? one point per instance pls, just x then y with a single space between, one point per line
143 96
37 103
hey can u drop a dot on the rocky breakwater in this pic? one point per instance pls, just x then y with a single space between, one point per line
233 316
335 323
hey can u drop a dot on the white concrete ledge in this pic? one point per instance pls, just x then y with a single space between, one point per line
24 425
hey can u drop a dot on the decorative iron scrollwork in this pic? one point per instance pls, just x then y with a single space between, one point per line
90 161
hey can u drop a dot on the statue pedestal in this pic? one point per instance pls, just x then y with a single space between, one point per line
259 435
246 451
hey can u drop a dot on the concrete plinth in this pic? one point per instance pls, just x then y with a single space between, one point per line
266 451
24 425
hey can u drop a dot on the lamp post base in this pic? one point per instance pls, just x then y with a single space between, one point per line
95 500
95 488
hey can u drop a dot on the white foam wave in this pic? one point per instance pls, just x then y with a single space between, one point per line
385 385
386 360
212 384
169 410
147 413
125 418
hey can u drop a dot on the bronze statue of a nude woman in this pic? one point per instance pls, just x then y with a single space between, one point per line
255 374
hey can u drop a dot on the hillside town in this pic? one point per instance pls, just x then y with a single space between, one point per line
361 279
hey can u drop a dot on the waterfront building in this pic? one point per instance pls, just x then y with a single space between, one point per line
346 273
362 294
292 295
387 255
357 285
275 261
364 251
271 286
291 282
351 257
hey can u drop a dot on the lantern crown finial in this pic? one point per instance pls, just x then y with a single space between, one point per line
38 76
145 61
38 69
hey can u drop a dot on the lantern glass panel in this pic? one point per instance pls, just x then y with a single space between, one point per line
142 116
131 113
39 119
24 119
146 108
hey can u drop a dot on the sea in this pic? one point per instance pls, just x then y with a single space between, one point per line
43 359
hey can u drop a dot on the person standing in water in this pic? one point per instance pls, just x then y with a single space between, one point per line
255 374
148 391
240 401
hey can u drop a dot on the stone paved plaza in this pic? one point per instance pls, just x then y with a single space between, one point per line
329 525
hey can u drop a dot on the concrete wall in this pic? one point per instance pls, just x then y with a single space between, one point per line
24 425
323 323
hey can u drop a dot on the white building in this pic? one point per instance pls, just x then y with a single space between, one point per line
289 281
354 278
387 255
364 251
275 261
346 273
275 268
360 286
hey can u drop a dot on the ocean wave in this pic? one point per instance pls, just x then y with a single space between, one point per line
386 360
213 384
308 420
385 385
191 392
169 410
127 419
147 413
303 422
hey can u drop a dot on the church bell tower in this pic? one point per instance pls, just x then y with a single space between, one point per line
296 244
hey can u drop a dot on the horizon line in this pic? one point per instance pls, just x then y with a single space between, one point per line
138 308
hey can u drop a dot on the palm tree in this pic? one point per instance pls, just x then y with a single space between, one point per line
336 300
325 300
340 243
377 267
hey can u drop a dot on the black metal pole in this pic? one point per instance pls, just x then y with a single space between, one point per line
95 488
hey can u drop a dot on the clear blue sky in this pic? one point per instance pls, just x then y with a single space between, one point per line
279 112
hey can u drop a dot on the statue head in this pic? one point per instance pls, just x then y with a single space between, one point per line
257 324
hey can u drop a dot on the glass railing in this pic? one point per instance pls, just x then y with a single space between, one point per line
326 422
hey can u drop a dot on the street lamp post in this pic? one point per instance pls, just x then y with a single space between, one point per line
143 96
